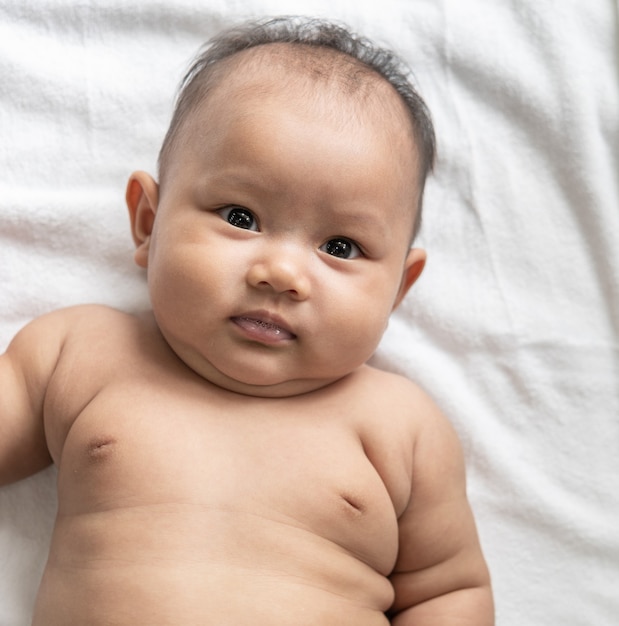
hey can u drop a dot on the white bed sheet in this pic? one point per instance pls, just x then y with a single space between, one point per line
513 327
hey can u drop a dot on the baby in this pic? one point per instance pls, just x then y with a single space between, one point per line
229 458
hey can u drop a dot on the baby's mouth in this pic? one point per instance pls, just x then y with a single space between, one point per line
263 329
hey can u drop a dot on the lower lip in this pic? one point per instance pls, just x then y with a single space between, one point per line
262 332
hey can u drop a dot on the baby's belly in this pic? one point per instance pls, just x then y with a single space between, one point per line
181 564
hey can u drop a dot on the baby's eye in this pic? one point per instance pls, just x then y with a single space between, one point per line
239 217
341 248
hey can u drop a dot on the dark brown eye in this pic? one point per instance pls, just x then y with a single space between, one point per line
240 218
341 248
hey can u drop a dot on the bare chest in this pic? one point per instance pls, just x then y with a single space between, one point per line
240 470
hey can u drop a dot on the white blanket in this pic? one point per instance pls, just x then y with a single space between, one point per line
514 325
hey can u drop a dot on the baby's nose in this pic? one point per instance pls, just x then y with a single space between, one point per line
284 271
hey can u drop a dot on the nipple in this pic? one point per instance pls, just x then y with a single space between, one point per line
101 448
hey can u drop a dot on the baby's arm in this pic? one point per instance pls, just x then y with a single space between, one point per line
440 578
25 370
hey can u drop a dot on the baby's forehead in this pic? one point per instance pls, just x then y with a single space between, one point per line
310 71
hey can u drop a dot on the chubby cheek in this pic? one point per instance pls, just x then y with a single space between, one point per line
181 280
359 319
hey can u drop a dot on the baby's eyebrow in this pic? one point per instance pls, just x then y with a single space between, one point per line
237 179
365 220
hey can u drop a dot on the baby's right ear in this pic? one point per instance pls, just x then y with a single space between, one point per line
142 198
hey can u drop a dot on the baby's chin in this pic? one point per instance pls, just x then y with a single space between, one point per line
262 387
253 382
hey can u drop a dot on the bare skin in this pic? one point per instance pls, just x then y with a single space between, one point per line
228 458
180 502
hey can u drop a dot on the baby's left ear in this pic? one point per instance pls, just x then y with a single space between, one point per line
413 266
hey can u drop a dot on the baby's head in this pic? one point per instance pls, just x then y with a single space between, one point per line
314 53
277 240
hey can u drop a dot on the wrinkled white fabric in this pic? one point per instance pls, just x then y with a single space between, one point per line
513 327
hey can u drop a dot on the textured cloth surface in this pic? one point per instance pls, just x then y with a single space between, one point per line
513 327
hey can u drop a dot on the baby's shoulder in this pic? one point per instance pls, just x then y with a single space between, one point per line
389 402
392 390
76 318
47 335
78 332
85 319
88 315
